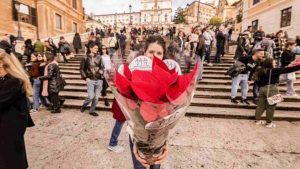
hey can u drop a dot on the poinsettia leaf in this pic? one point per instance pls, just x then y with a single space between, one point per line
123 85
146 91
181 84
159 63
163 79
148 112
127 72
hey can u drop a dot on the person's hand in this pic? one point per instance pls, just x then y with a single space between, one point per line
87 80
244 53
162 157
144 162
141 160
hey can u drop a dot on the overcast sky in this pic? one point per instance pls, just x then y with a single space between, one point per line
113 6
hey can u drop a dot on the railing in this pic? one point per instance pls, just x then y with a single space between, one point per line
69 37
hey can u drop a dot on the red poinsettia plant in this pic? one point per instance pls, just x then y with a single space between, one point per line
156 92
153 96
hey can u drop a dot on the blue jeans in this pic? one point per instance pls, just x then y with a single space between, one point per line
94 88
115 133
136 163
200 59
207 53
37 85
241 79
220 51
255 90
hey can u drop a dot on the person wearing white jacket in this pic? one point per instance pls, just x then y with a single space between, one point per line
207 42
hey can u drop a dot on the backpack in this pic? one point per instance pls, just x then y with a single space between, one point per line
236 69
64 48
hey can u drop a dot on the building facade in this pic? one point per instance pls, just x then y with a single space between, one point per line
42 18
27 16
60 17
226 10
273 15
200 13
119 18
156 12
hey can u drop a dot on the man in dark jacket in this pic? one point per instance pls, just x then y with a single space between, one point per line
243 46
122 42
91 70
259 35
220 37
251 63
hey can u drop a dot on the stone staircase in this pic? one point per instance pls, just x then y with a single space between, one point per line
212 97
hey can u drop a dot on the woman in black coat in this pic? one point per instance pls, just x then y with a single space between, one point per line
77 42
52 82
14 115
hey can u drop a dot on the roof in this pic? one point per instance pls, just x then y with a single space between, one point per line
118 14
237 2
230 2
208 4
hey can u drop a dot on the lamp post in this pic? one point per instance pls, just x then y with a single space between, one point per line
166 17
198 10
130 7
18 6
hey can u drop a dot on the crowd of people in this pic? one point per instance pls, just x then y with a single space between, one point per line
266 60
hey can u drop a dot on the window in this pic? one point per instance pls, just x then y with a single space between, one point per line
286 17
74 4
58 21
74 27
255 24
255 1
26 14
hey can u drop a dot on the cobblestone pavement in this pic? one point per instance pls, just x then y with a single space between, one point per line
72 140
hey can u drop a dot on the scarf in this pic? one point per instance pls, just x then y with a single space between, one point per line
45 82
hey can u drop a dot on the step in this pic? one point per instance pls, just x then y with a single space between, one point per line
198 94
227 88
226 95
76 104
76 71
80 85
205 76
82 95
226 103
202 82
236 113
229 81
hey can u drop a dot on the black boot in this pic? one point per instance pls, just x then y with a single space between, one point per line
106 102
245 101
56 111
61 102
234 101
50 108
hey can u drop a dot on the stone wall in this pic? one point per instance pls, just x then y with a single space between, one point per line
9 26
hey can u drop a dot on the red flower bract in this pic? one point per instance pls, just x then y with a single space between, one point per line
181 85
148 112
127 72
123 85
145 86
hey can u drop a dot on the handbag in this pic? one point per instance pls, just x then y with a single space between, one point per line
291 76
61 82
276 98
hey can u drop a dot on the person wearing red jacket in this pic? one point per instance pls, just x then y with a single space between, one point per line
120 120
